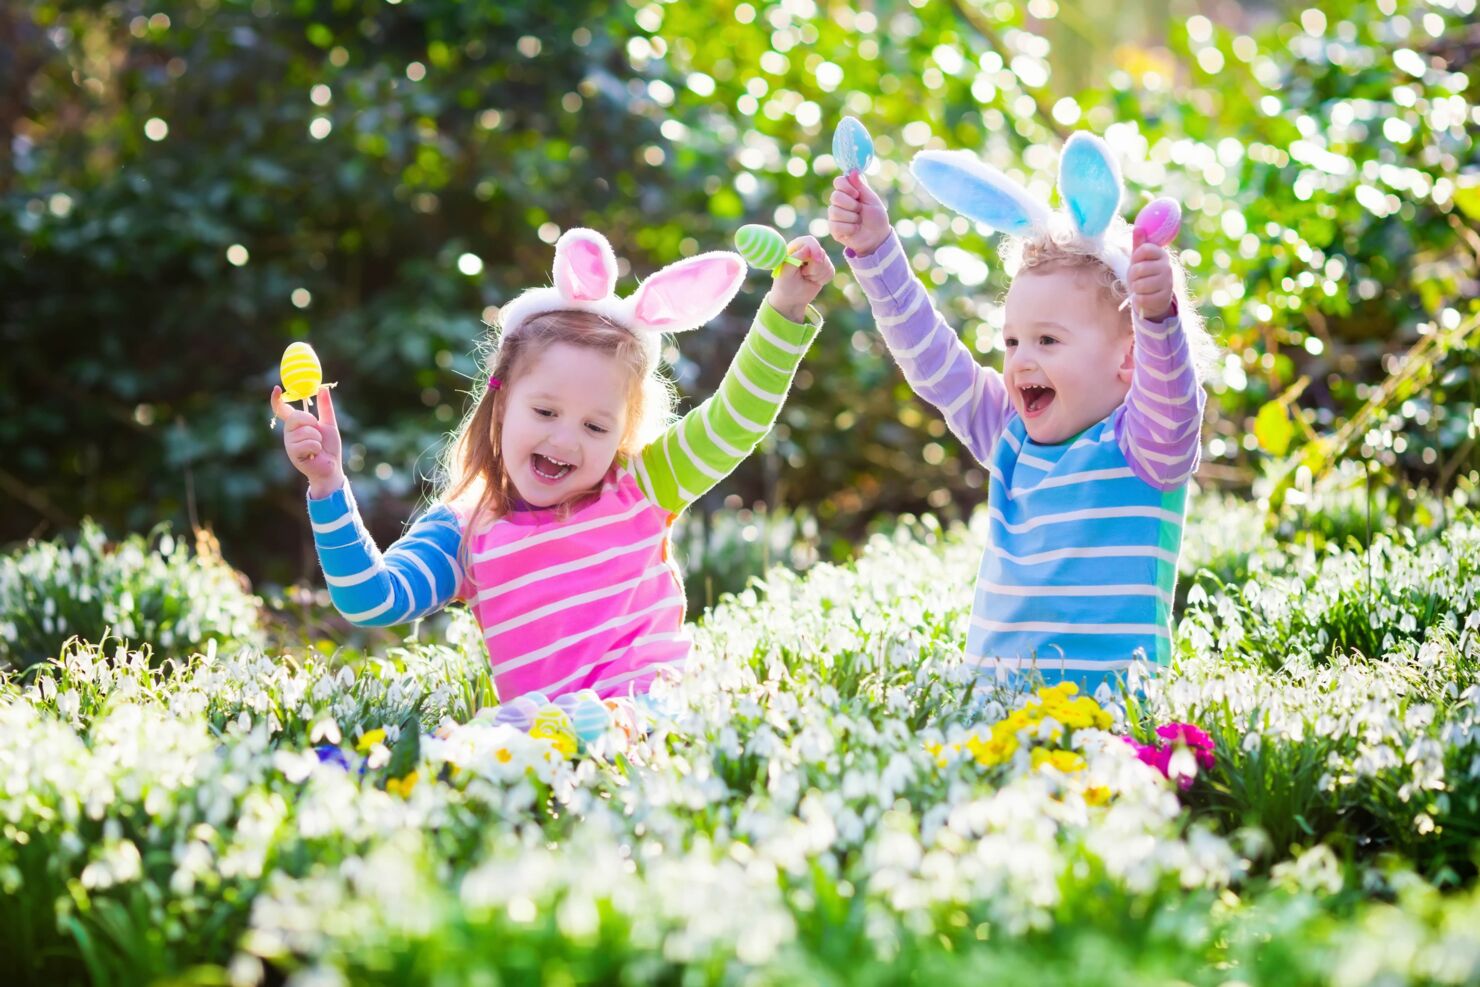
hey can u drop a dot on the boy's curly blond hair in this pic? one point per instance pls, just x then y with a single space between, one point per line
1061 249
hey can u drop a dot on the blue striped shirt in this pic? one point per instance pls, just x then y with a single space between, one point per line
1081 564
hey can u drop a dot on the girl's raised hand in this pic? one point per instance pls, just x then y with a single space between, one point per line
796 286
312 443
856 216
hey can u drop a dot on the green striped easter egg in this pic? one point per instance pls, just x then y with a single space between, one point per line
760 245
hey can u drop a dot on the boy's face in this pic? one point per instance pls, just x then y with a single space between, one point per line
1068 361
563 421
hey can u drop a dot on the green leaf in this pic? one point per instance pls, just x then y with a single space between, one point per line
1467 195
406 753
1273 429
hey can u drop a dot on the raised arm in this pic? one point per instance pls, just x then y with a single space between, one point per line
936 363
417 575
1160 432
711 440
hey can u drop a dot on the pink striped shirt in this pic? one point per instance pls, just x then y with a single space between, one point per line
593 600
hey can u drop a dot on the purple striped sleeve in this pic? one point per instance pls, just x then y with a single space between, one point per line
935 362
1161 429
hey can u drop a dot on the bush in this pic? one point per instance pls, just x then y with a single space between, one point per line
149 590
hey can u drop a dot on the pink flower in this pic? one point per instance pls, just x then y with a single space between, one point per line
1173 736
1191 737
1157 757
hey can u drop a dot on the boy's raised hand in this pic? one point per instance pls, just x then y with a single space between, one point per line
312 443
1150 280
796 286
856 216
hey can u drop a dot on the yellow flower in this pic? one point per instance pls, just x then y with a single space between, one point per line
1014 722
369 739
992 751
1064 761
1061 691
402 786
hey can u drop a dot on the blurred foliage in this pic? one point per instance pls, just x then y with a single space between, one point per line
188 185
150 593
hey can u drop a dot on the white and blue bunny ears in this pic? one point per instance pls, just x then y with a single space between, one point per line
682 296
1089 182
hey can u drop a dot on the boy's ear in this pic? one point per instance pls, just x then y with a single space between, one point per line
1128 363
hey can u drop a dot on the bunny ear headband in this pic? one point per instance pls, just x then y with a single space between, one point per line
680 297
1089 182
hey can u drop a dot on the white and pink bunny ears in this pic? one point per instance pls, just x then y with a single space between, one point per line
1089 182
682 296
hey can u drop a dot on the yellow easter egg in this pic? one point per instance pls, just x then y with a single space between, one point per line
301 372
553 724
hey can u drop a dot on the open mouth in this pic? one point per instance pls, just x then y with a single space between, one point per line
549 469
1036 398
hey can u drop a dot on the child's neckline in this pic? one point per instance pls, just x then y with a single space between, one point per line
522 512
1065 443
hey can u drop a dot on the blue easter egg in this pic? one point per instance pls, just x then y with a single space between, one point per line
853 148
590 719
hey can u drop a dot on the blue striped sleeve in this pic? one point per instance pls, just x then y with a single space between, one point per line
416 576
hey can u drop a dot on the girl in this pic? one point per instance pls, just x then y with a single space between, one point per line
1090 432
566 476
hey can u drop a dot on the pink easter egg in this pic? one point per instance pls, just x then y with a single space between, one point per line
1159 222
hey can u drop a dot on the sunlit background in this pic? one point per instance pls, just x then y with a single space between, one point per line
188 186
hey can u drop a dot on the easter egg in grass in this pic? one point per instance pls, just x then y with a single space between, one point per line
553 724
518 713
589 717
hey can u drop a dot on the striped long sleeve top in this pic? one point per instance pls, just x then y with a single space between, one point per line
591 598
1080 567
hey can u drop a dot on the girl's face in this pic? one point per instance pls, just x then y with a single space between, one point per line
1069 360
563 421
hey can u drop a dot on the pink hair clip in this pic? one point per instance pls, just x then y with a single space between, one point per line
494 383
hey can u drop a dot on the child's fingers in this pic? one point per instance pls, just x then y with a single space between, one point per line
297 429
804 249
306 453
279 406
296 419
866 193
845 216
820 269
840 200
327 417
842 186
843 204
1144 277
816 265
1148 253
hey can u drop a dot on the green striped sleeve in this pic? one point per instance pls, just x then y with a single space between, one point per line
706 444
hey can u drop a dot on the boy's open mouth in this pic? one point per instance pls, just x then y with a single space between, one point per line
549 469
1036 398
